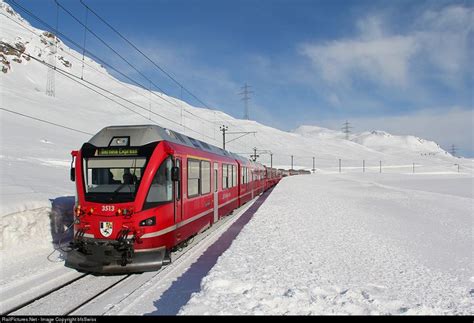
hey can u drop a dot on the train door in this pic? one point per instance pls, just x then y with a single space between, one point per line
216 194
178 192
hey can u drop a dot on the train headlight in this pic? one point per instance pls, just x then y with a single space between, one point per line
78 210
148 222
119 141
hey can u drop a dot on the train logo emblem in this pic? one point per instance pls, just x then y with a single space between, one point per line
106 228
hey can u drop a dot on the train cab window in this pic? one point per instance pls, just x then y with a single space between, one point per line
205 177
112 180
161 189
194 177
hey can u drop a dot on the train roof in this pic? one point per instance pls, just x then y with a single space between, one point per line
140 135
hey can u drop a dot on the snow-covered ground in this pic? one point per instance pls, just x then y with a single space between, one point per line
350 244
354 242
320 244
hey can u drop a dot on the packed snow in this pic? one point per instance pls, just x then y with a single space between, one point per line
383 227
346 244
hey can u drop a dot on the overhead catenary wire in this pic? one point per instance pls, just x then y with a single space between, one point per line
136 48
124 59
85 64
144 55
101 61
98 59
79 81
147 57
84 50
107 45
45 121
195 131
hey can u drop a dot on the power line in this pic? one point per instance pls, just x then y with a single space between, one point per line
245 133
107 45
101 61
45 121
150 60
55 30
98 59
85 64
77 78
124 59
144 55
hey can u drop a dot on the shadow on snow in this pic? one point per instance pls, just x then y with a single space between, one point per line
181 290
61 220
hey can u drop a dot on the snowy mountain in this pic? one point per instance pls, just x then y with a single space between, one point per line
383 141
378 140
39 131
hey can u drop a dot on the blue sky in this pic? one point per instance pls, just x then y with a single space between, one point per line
400 66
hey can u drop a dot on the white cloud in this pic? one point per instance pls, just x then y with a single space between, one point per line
444 38
384 59
438 40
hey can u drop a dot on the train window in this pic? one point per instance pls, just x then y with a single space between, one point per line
194 177
117 176
225 176
161 189
234 175
205 177
244 175
178 183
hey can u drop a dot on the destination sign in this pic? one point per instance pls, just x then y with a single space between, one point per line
117 152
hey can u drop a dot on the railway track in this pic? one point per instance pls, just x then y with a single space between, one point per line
88 294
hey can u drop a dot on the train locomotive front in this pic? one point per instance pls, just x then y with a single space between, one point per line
125 179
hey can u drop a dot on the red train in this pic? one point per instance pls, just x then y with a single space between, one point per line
144 190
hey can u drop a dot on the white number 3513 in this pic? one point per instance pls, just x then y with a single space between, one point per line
108 208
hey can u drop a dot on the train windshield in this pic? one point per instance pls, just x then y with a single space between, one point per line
113 179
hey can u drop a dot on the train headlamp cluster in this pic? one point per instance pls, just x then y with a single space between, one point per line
78 211
148 222
124 212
